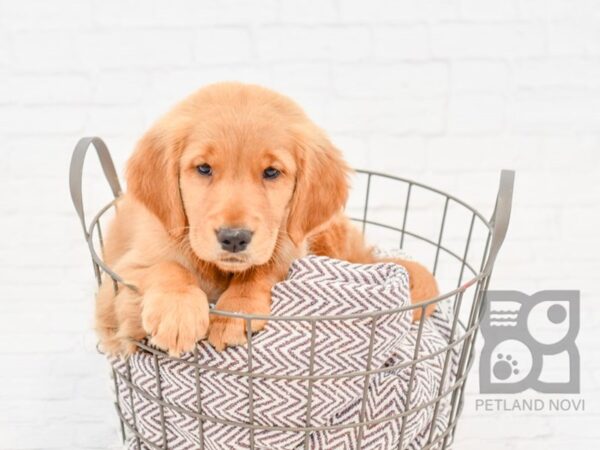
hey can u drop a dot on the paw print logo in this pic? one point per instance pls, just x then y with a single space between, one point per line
526 339
505 367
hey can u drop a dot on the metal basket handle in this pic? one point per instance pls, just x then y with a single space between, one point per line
76 173
501 216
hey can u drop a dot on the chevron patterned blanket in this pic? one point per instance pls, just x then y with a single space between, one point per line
315 286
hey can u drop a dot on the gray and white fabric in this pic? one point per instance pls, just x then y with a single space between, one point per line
316 286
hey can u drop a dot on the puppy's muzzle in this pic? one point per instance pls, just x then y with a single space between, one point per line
234 239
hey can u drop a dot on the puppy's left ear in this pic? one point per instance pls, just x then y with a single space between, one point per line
153 173
321 187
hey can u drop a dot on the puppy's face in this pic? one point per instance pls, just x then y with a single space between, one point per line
237 182
236 168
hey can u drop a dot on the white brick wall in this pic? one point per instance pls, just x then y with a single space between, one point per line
444 91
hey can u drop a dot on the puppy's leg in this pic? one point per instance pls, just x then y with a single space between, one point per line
174 308
247 293
128 305
422 284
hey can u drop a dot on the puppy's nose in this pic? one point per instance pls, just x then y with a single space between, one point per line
234 239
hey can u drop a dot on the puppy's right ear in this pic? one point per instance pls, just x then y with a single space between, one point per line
153 174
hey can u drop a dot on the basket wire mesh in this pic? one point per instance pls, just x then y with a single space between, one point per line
463 296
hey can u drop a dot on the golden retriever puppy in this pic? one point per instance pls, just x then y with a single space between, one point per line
223 193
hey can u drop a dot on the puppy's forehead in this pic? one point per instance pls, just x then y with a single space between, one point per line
241 136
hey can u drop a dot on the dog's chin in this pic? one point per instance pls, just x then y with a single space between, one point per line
232 264
235 262
239 262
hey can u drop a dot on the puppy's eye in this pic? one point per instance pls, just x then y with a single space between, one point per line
270 173
204 169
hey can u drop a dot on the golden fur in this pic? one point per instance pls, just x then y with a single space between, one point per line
163 237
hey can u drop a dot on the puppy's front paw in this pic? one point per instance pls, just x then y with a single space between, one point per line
175 321
226 331
232 331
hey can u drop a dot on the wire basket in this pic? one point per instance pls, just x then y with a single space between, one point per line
456 242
